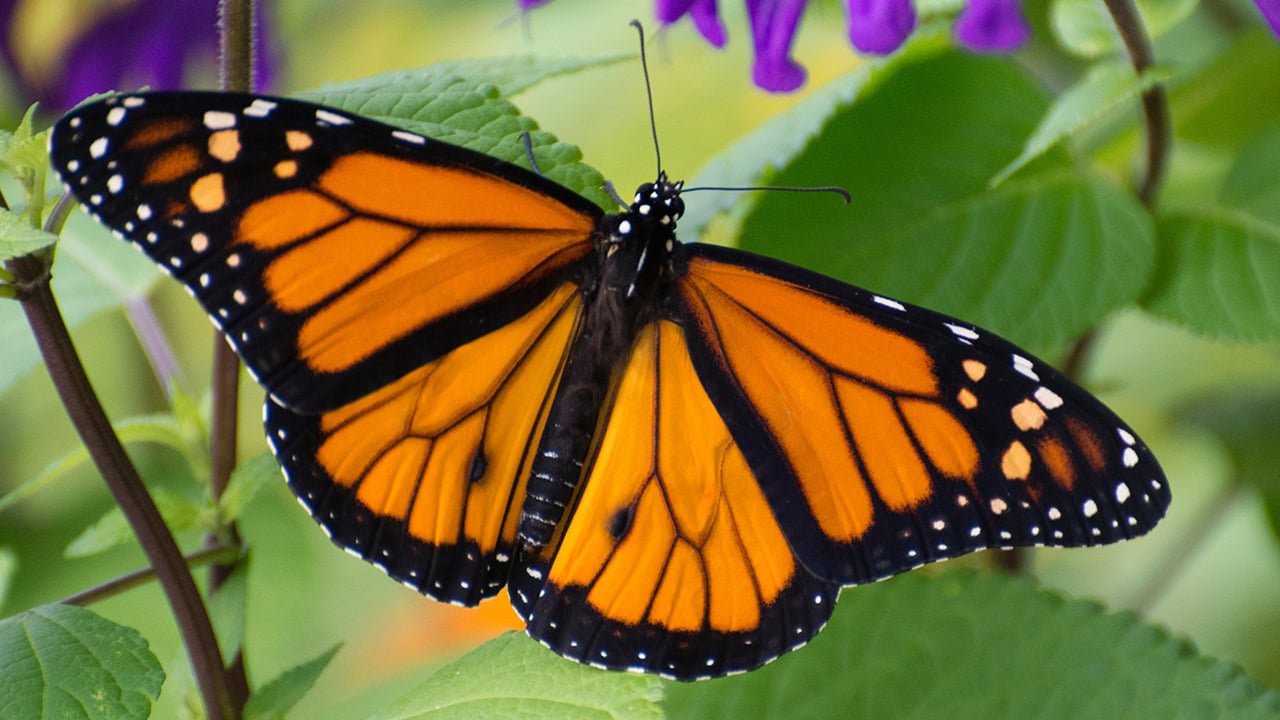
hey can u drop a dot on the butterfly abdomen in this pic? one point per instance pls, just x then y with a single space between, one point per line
633 252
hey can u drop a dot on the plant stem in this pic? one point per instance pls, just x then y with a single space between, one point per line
235 43
31 275
1155 105
115 586
235 31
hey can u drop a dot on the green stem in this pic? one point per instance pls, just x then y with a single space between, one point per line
31 273
113 587
1155 104
235 29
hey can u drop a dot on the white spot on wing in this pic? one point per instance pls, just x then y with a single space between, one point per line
962 332
1129 457
1048 399
888 302
219 120
98 148
331 118
115 116
1024 367
1122 492
408 137
260 108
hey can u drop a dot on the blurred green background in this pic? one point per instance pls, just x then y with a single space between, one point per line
1211 572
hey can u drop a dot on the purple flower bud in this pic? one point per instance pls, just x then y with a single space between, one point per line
703 12
880 26
1271 11
773 27
992 26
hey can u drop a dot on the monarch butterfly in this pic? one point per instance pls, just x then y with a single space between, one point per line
672 455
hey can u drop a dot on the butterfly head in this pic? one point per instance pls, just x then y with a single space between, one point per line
659 201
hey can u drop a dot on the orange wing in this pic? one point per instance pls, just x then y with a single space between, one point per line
887 436
671 559
424 478
776 435
336 253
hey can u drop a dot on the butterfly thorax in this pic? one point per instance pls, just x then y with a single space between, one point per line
635 253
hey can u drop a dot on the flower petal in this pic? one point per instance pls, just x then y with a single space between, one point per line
880 26
773 27
992 26
1271 11
703 12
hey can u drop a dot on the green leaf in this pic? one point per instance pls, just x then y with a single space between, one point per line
64 662
778 141
442 103
1253 184
510 75
93 272
18 238
274 700
1218 273
113 529
1247 424
1104 89
160 429
513 676
1234 98
8 568
966 646
226 609
1039 259
24 148
248 477
1219 264
189 415
1084 27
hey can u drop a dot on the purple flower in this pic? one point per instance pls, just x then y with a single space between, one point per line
703 12
880 26
875 26
147 42
1271 12
773 27
992 26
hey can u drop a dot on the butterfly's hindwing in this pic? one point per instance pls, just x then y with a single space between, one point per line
425 477
670 560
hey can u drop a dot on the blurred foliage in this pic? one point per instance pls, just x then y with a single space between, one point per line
920 139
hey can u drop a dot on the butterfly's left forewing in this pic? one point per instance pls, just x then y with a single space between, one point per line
336 253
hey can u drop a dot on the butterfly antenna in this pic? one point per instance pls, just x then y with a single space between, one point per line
844 194
613 193
648 90
528 152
